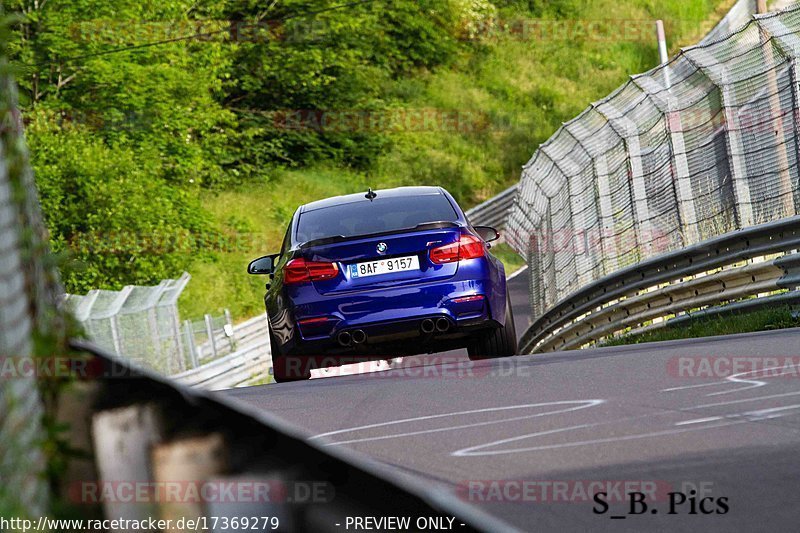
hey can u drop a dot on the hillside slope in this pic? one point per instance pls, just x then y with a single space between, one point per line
502 99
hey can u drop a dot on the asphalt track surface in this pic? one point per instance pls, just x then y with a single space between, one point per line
525 437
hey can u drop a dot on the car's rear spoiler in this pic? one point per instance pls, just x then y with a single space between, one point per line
340 238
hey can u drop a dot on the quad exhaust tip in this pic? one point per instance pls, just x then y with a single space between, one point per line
427 326
359 336
442 324
344 338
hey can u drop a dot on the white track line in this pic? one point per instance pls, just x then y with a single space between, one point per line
516 273
473 451
724 421
745 400
755 383
758 414
735 378
583 405
673 389
699 420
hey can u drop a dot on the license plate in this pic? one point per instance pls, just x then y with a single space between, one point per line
384 266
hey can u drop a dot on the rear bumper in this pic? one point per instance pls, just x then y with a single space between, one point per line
391 317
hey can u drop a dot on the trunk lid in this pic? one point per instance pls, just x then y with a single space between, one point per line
356 250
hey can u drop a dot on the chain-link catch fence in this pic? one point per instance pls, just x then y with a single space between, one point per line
698 147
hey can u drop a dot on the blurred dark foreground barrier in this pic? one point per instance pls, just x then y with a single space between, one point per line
164 450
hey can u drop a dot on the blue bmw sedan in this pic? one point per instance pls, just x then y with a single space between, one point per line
382 274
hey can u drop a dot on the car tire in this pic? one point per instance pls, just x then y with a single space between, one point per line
281 364
497 342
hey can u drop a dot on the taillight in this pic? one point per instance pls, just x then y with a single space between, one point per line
299 271
467 247
468 299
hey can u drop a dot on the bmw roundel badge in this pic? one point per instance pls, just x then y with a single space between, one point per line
382 247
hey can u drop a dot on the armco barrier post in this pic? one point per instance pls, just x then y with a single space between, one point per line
210 333
228 329
188 331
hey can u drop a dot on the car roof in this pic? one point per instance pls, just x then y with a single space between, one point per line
397 192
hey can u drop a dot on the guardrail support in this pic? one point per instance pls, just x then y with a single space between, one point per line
188 331
210 333
229 331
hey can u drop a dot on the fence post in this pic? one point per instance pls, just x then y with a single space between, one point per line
175 326
628 130
607 241
580 254
787 42
155 335
684 195
114 323
210 333
717 74
229 331
663 55
189 333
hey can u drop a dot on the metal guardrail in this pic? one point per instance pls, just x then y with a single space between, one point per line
243 367
248 365
666 285
789 299
494 211
251 330
216 334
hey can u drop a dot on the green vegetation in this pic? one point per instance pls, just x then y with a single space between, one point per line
744 322
509 257
193 154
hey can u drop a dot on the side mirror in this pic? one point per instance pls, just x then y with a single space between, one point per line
487 233
263 265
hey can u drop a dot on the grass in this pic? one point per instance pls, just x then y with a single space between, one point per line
511 259
514 93
761 320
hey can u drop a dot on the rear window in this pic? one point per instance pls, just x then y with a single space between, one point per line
379 215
